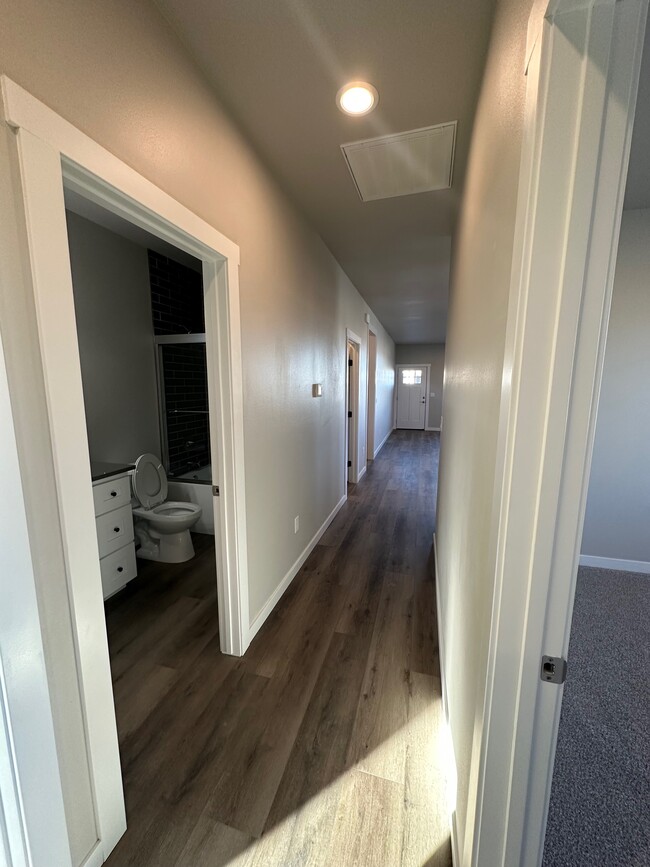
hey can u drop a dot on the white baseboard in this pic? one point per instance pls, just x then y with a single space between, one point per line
273 600
433 428
95 857
455 859
362 473
618 565
382 443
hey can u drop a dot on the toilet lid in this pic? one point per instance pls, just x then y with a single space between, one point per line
149 481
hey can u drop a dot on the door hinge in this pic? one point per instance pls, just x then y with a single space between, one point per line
215 490
349 413
349 463
553 669
350 362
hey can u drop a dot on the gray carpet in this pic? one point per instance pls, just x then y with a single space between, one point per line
600 799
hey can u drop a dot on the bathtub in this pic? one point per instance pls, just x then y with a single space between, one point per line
195 487
203 475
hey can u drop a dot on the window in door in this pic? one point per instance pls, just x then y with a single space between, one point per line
411 377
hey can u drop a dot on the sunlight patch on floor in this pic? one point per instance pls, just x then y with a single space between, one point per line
362 818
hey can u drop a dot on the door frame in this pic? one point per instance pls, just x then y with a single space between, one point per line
399 367
50 152
352 430
33 828
583 69
371 408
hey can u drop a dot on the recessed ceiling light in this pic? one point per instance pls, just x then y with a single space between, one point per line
357 98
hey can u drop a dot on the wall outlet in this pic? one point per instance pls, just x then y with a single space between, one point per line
296 523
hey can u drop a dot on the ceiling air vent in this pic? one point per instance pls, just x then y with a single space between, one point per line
402 164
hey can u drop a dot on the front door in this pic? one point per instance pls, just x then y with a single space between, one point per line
411 397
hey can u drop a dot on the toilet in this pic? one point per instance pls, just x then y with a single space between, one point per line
161 528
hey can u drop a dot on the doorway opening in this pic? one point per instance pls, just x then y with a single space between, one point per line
412 396
142 333
140 325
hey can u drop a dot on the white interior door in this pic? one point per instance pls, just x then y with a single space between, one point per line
411 397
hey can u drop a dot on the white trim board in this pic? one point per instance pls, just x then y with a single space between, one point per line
95 858
455 853
639 566
33 828
279 591
382 443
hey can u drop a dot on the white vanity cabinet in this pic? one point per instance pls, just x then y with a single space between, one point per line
114 522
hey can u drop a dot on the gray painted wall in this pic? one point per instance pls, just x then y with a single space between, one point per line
427 353
617 521
110 276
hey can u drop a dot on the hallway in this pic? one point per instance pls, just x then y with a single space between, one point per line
324 744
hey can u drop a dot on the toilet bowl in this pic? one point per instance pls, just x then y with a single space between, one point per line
162 528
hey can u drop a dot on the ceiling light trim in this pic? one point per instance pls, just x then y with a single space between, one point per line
361 85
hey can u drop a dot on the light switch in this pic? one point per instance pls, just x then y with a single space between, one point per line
317 389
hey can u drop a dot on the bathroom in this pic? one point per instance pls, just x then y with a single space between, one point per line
141 329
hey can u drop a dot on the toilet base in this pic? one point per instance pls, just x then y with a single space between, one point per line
166 548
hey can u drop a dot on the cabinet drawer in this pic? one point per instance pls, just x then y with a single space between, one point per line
114 529
118 568
112 494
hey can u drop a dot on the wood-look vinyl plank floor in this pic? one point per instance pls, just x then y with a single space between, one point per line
323 744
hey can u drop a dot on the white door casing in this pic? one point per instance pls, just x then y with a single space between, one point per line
411 396
33 830
582 82
47 150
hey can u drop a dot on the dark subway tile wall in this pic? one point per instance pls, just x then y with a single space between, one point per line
176 297
185 386
177 308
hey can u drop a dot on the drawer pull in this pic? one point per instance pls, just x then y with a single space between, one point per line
113 493
120 568
116 529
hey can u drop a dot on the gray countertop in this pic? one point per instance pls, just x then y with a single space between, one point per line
103 470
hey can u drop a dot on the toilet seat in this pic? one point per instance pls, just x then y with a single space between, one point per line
149 481
169 512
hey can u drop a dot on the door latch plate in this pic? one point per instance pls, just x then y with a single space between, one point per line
553 669
215 490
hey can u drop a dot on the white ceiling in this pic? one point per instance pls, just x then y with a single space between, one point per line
277 66
637 193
